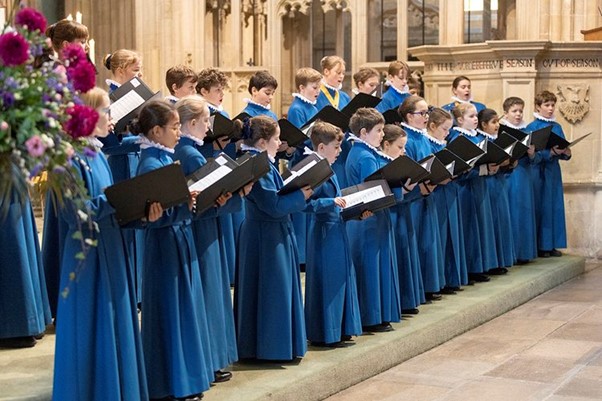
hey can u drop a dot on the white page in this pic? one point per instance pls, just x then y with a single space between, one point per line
301 171
125 105
364 196
210 179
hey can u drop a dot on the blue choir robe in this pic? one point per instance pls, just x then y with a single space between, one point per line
477 220
98 352
547 187
391 99
450 106
174 324
24 308
450 228
339 164
500 212
522 210
425 219
323 100
254 110
301 111
215 275
373 247
331 304
269 314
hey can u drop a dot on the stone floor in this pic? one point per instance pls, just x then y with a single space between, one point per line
549 349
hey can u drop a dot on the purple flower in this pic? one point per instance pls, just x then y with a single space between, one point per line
74 54
8 99
14 49
35 146
82 121
83 76
36 170
89 152
31 18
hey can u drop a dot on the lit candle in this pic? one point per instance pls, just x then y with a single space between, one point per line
91 44
70 17
2 18
78 17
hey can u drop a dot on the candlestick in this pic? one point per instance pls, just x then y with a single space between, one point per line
78 17
91 52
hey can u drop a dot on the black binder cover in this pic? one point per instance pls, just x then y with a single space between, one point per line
447 157
360 100
562 143
130 198
509 143
291 134
439 172
330 115
127 100
465 149
355 211
495 154
398 171
314 176
392 116
540 137
221 126
523 140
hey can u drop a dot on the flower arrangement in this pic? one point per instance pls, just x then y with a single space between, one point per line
42 119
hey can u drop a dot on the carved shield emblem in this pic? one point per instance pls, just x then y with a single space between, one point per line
573 101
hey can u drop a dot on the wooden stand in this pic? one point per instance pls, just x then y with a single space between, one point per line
592 34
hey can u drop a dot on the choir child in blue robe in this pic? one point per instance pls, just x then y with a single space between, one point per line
408 262
414 86
98 352
498 195
331 93
331 307
479 234
367 80
262 87
181 82
414 112
269 317
372 240
210 85
462 93
194 117
24 308
448 208
397 79
520 188
123 150
547 181
174 322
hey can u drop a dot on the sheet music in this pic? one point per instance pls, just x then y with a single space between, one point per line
210 179
125 105
364 196
299 172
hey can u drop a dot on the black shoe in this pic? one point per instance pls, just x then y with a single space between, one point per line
478 277
302 267
497 271
346 337
543 254
39 336
221 376
432 296
556 253
522 261
321 344
413 311
18 342
378 328
448 291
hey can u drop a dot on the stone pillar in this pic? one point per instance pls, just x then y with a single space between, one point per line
451 22
359 35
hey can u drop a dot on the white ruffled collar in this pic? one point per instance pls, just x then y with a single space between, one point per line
435 140
250 101
469 132
457 99
304 99
542 118
213 107
193 138
94 142
111 82
332 87
404 91
417 130
486 135
247 148
374 149
507 123
146 143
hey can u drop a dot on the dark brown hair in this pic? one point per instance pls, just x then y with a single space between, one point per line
511 101
262 79
323 132
365 74
155 112
365 117
545 96
65 31
178 75
259 127
392 133
408 106
458 79
210 77
485 116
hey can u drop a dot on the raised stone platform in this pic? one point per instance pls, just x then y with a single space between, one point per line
27 374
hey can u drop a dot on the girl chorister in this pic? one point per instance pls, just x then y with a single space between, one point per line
269 308
333 72
98 351
462 93
174 326
397 78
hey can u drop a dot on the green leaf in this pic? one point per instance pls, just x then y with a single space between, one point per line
80 256
77 235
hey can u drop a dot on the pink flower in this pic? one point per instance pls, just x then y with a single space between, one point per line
14 49
4 126
61 73
31 18
74 54
83 76
35 146
82 121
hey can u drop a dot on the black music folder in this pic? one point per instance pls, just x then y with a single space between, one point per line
494 154
562 143
447 157
439 172
540 137
371 195
219 176
398 171
221 126
131 198
127 100
330 115
291 134
523 140
360 100
467 150
392 116
312 171
510 144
